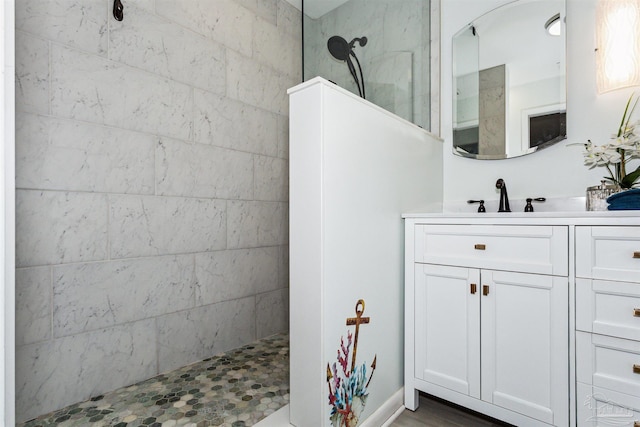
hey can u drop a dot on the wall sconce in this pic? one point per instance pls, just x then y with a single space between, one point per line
618 44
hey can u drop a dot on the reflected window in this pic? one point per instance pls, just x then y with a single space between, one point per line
547 129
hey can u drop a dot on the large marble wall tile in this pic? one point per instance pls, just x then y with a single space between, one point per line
228 123
277 49
402 26
57 373
197 170
97 295
265 9
252 224
257 84
271 178
33 305
272 313
32 73
290 20
87 87
283 267
222 20
57 227
192 335
82 24
283 137
160 46
232 274
148 5
68 155
145 225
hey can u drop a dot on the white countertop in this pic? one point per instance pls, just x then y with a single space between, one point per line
564 211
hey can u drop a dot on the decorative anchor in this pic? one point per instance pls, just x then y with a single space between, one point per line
348 386
329 378
357 321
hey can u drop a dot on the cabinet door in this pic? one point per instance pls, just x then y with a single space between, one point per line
447 327
525 344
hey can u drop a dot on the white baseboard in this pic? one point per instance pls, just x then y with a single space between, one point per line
388 412
382 417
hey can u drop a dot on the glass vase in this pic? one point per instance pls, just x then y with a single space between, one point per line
597 195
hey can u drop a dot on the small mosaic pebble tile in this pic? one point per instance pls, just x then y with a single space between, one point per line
234 389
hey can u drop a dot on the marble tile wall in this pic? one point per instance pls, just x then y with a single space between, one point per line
152 188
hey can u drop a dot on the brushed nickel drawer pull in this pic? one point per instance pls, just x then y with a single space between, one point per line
636 254
479 247
636 312
485 292
474 288
636 369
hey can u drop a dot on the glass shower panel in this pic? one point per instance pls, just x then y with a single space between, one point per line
378 48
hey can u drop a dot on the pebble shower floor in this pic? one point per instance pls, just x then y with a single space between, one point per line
233 389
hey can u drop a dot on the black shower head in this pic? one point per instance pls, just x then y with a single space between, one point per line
361 40
339 48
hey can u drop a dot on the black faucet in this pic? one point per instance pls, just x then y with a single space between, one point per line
504 199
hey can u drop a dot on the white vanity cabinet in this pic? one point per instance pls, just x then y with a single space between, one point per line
487 323
608 325
556 338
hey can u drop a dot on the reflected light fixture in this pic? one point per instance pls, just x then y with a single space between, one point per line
553 25
618 44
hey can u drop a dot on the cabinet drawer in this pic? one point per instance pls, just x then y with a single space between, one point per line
529 249
608 308
600 407
609 363
611 253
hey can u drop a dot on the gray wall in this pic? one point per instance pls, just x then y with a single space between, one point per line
152 187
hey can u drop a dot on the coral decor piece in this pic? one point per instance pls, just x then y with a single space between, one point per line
348 386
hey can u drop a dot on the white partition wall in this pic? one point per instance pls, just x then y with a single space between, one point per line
354 168
7 214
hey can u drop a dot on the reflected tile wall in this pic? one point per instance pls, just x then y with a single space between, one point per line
152 175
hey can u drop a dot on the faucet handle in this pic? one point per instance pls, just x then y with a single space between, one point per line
481 208
529 206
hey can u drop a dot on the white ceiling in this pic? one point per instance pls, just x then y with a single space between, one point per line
316 8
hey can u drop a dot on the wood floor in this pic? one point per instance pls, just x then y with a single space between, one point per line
434 412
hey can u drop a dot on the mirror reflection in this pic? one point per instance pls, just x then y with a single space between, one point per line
509 82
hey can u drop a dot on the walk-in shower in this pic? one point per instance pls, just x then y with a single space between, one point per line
383 45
